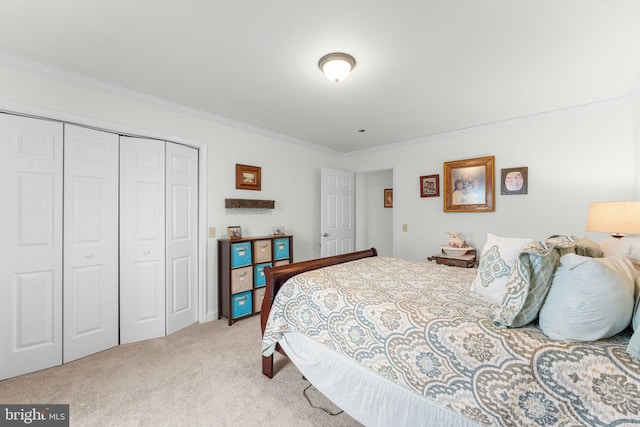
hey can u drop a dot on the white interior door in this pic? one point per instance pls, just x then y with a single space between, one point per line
182 236
90 320
142 239
337 218
30 245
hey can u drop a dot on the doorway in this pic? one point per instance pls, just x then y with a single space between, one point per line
374 222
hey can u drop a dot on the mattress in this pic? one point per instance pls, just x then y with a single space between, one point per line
419 327
369 398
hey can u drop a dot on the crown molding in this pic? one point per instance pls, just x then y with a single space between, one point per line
119 91
635 88
608 103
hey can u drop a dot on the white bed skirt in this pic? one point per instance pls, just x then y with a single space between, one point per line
370 399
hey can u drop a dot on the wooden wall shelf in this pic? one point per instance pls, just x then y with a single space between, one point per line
249 204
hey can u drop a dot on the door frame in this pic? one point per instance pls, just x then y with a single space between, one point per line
19 109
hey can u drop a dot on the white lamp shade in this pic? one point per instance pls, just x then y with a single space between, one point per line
337 65
336 70
617 218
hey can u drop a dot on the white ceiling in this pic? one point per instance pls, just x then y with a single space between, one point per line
423 67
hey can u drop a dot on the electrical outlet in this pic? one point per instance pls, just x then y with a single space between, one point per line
212 232
405 228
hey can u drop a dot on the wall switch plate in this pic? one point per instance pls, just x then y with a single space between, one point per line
405 228
212 232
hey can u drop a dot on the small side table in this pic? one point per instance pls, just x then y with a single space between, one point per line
467 260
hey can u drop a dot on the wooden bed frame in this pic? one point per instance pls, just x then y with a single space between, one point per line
277 276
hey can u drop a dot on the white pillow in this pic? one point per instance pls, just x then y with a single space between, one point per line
496 262
589 298
628 247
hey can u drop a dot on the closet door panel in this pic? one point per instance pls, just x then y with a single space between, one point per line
182 236
142 239
31 164
91 242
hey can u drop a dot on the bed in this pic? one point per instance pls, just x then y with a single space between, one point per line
398 342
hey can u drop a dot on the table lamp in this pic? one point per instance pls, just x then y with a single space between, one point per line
615 218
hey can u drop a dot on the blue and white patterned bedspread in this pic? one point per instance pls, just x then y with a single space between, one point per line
419 325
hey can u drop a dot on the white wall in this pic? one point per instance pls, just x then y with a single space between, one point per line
574 157
290 172
374 222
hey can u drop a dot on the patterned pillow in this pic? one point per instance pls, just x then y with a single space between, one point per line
496 262
530 280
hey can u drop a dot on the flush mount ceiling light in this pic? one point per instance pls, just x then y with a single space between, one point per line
337 65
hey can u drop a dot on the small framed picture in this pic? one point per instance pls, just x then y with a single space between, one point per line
515 180
234 232
278 231
248 177
430 186
388 197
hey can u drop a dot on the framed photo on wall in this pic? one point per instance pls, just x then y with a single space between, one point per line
388 197
469 185
430 186
248 177
515 181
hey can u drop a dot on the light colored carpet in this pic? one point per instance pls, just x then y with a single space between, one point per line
204 375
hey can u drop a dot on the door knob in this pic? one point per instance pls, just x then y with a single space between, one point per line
325 234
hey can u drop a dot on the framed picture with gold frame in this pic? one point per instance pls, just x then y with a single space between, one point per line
469 185
388 197
248 177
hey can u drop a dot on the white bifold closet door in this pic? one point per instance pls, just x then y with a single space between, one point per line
102 225
158 238
182 236
142 239
30 244
90 319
